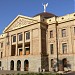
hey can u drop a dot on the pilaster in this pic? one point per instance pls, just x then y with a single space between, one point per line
17 45
15 65
10 43
31 50
23 52
22 65
39 40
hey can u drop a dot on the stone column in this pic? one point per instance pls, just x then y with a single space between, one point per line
39 40
16 45
23 52
69 40
22 65
31 50
8 64
10 43
15 65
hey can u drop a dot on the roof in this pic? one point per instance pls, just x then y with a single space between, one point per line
46 15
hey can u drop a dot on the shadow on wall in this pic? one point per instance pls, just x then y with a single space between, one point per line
63 65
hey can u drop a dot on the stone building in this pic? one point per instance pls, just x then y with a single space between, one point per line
35 44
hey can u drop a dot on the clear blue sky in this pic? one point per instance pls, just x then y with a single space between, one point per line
9 9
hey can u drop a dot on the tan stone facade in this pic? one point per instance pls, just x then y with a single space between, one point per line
32 44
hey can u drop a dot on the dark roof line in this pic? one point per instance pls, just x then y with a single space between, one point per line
46 15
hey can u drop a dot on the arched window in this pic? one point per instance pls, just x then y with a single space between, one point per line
18 65
12 65
26 65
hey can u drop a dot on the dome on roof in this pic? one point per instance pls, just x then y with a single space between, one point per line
46 15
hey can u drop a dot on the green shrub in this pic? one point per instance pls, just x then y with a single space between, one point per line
18 73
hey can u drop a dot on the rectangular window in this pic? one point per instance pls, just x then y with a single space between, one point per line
20 37
51 48
1 54
27 35
20 51
27 48
52 63
0 63
74 30
64 48
63 32
14 38
51 34
2 45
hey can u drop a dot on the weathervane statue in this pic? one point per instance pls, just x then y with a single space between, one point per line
45 5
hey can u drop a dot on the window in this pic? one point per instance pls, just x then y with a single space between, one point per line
27 48
64 48
14 38
27 35
20 51
52 63
20 37
63 32
51 34
1 54
0 63
2 45
51 48
74 30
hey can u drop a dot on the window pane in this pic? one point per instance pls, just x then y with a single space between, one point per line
14 38
27 35
52 63
51 34
0 63
2 45
63 32
64 47
20 37
1 54
74 30
51 48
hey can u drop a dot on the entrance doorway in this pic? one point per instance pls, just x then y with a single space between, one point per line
64 63
12 65
26 65
18 65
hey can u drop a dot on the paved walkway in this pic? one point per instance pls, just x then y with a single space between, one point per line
11 72
24 72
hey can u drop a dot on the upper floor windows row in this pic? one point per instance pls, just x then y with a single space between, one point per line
63 32
20 37
64 48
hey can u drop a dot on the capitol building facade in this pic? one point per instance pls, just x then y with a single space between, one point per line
45 42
